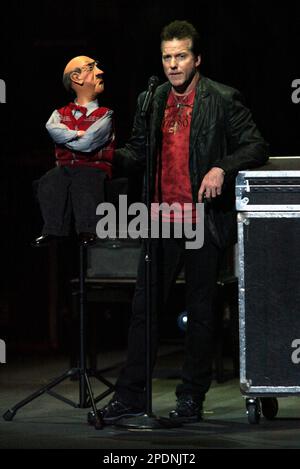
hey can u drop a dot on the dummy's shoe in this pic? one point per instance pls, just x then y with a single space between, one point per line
44 240
114 411
86 239
187 410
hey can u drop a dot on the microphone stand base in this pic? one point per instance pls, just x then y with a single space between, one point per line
147 422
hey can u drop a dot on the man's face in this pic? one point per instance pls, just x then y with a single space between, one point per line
86 73
179 63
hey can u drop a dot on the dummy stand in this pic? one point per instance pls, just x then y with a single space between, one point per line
149 420
86 397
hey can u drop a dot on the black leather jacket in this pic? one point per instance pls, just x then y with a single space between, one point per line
222 134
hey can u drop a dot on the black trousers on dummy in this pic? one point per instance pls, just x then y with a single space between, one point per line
67 189
201 269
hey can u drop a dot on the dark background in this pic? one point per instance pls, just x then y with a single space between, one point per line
251 45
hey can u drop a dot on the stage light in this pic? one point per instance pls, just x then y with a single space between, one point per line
182 321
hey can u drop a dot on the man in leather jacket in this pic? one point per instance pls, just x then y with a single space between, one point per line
201 135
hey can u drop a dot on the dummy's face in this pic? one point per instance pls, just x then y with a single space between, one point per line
179 63
86 74
92 76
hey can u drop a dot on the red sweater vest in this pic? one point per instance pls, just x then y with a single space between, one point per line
101 159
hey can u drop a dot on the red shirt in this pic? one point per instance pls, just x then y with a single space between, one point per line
173 176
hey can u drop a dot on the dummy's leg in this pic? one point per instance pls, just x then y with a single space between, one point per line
55 203
87 192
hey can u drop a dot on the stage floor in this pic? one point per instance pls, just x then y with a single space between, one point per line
48 423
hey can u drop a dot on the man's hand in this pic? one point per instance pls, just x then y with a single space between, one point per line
80 133
211 185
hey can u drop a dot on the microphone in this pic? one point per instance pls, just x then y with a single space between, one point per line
152 85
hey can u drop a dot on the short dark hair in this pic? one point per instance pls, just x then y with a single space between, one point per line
182 30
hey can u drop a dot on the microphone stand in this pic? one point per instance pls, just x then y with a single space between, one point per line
148 420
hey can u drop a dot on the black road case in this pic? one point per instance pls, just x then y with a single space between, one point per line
268 201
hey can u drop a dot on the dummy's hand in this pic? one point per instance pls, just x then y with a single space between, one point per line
211 185
80 133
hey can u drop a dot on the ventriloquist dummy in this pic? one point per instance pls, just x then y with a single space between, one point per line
83 134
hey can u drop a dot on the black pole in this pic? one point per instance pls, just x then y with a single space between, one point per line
148 420
148 272
82 327
85 388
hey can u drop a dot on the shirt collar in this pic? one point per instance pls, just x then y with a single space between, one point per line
91 106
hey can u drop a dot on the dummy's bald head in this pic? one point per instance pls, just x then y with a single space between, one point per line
74 65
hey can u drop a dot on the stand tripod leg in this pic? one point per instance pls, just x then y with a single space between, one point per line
99 377
10 413
98 421
86 397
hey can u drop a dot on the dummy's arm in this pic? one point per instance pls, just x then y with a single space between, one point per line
96 136
59 132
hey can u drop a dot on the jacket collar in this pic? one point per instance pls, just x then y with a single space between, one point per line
200 106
